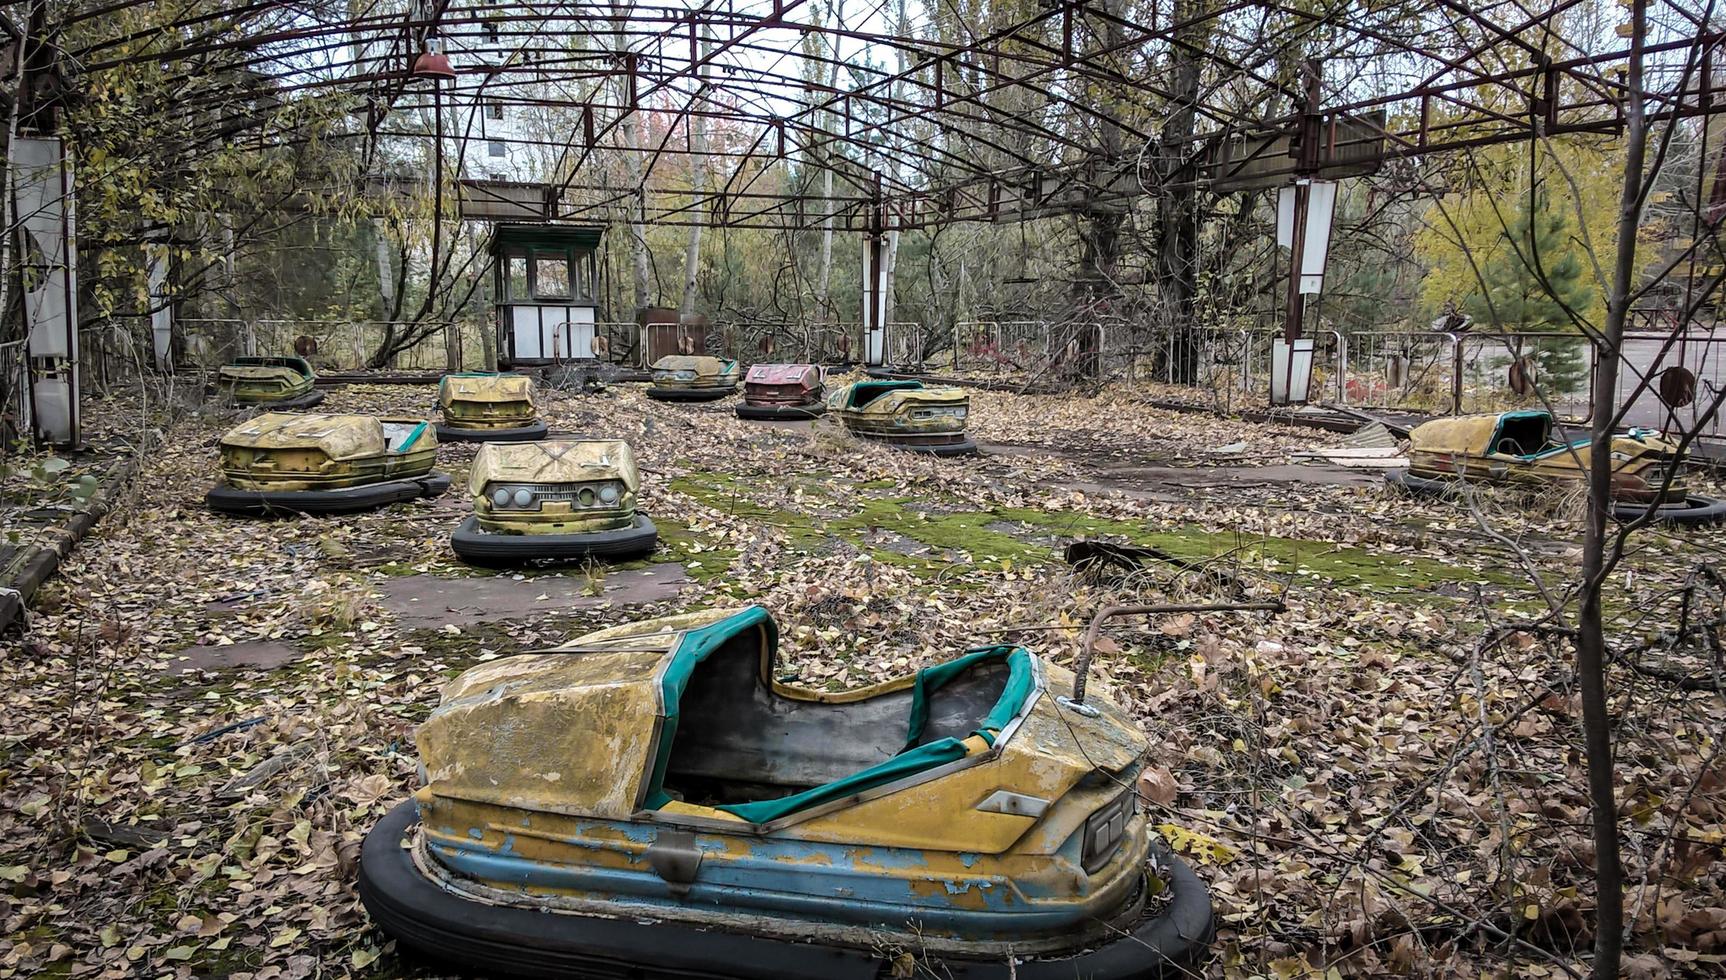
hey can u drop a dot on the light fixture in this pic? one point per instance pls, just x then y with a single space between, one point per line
432 64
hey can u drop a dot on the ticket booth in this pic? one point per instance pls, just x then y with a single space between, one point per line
546 283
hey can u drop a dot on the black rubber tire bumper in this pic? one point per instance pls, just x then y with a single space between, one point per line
229 500
521 433
964 447
780 413
310 399
689 394
481 547
1426 485
515 941
1694 509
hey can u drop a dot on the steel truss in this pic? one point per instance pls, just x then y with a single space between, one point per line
1059 110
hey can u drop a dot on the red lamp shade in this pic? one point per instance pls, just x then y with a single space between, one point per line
431 64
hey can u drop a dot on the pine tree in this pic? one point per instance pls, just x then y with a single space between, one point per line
1536 275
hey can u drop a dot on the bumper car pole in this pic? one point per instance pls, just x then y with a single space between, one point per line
1082 666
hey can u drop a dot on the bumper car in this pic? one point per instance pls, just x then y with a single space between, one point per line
649 801
689 378
1519 448
325 464
487 408
269 382
560 499
906 414
782 392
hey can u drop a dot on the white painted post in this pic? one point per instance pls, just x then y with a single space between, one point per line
42 188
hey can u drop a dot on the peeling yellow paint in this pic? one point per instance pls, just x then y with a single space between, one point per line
283 451
543 757
1459 447
563 463
486 401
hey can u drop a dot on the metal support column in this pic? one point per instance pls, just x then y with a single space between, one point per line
40 183
875 288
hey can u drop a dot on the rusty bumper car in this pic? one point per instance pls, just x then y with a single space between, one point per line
557 500
269 382
325 464
651 801
692 378
782 393
480 407
1520 449
906 414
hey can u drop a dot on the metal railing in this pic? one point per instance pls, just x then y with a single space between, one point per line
340 345
1648 356
1422 372
1035 348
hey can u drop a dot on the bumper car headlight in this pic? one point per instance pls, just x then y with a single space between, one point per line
597 495
923 414
1104 830
1655 476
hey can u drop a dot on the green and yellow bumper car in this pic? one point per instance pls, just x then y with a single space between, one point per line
691 378
1519 448
488 408
650 801
906 414
325 464
269 382
560 499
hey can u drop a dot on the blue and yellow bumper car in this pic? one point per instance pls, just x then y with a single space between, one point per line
648 801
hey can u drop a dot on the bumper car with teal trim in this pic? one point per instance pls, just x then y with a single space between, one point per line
906 414
649 801
281 463
1525 449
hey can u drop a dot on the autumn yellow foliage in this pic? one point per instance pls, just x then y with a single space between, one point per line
1465 230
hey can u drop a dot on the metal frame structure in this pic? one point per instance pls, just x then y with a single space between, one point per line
916 114
1055 111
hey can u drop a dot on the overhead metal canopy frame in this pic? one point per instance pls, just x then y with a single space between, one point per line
927 111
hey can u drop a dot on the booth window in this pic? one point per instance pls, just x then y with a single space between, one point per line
578 278
515 274
550 275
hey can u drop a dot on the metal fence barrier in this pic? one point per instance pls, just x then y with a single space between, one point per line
1667 381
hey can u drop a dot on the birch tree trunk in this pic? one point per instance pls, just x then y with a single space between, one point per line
698 189
386 275
824 276
620 14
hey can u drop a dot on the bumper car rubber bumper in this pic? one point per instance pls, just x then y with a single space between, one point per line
966 446
481 547
230 500
310 399
780 413
689 394
1694 509
515 941
531 432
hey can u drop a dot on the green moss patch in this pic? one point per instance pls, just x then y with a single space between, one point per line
994 538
